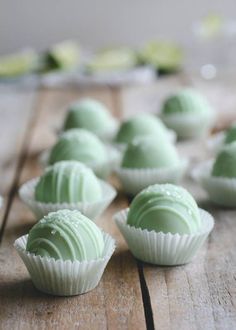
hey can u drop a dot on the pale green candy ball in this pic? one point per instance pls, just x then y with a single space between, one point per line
186 101
150 152
225 163
68 181
89 114
80 145
66 235
165 208
141 125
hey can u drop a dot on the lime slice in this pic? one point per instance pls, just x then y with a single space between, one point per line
211 25
63 56
116 59
17 64
163 55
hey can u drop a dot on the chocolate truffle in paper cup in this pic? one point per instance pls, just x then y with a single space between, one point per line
70 185
65 253
164 226
188 113
141 125
218 177
148 160
85 147
93 116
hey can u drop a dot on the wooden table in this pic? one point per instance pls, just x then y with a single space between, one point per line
131 295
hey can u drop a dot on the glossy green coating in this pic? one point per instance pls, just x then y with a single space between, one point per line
78 144
230 135
141 125
150 152
66 235
68 182
225 163
165 208
186 101
89 114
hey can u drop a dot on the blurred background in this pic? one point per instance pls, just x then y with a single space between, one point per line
203 29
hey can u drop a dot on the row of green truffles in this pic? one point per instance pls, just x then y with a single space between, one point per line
66 253
218 176
67 184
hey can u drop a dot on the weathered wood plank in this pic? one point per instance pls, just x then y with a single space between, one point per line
15 113
115 304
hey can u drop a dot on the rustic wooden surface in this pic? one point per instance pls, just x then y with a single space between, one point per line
131 295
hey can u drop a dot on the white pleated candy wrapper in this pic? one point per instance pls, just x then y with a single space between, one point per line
163 249
102 170
64 278
188 126
135 180
91 210
220 190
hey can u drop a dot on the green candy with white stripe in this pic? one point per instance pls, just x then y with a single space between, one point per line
78 144
143 124
89 114
150 152
66 235
68 182
165 208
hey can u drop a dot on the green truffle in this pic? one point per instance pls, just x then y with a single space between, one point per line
230 134
66 235
186 102
165 208
80 145
68 182
224 165
149 152
141 125
89 114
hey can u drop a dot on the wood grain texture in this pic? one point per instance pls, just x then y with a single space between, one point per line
116 303
15 112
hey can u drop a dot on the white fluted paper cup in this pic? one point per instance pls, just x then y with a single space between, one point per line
64 278
102 170
91 210
215 142
188 126
220 190
135 180
163 249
